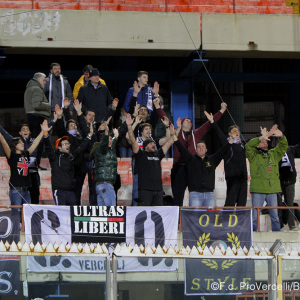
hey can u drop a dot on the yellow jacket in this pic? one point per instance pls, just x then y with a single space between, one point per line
80 83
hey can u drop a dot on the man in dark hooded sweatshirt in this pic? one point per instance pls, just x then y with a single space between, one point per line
189 138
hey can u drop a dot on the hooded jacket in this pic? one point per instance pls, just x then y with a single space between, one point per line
81 82
35 101
189 141
264 168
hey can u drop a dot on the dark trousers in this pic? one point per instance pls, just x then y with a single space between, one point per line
62 197
179 183
34 123
79 179
288 192
34 190
92 185
236 191
150 198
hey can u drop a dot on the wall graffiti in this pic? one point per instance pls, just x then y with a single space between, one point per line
31 22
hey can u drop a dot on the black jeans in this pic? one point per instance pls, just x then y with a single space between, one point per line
236 191
34 123
150 198
179 182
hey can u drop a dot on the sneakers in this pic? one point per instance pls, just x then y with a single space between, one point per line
294 228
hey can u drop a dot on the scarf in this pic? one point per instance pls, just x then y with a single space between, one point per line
62 89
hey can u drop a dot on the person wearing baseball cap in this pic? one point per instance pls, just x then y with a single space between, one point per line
96 97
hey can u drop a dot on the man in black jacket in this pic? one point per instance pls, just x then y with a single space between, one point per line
288 175
201 171
62 163
96 97
75 139
235 166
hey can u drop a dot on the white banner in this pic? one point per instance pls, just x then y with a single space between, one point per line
47 223
156 225
46 264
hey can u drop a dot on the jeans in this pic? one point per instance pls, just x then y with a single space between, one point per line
106 195
18 197
202 199
258 200
125 151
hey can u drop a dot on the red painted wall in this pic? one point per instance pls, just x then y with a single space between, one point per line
200 6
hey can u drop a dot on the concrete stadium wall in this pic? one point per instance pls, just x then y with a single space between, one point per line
147 33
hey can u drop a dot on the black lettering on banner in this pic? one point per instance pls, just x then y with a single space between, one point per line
36 233
36 224
159 234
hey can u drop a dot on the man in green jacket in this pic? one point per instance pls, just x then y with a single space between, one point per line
106 164
265 183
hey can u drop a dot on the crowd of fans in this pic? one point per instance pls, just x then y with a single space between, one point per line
86 143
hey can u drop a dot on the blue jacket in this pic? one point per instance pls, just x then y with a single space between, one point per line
144 97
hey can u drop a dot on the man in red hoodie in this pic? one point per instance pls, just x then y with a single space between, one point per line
189 138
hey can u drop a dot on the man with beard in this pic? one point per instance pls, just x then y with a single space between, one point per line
57 87
264 171
148 167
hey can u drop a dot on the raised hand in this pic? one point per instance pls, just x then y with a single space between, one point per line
108 120
67 102
223 107
155 88
263 130
138 119
137 89
44 127
165 121
136 109
91 128
210 117
129 120
78 106
58 111
116 132
156 103
115 103
178 123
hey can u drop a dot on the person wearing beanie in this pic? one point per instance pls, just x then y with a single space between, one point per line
148 167
96 97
